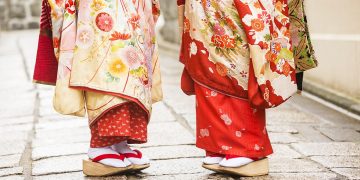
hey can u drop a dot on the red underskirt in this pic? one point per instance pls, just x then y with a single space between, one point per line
228 125
125 122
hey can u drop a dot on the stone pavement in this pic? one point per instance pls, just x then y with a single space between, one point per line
310 140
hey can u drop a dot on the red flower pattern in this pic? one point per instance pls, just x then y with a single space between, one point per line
134 21
70 6
119 36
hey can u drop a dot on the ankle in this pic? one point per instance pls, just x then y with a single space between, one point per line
230 156
122 148
212 154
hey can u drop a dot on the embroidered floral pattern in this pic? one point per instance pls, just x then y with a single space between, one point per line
98 5
104 22
116 68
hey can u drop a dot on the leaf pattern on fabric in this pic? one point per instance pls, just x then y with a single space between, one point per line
303 50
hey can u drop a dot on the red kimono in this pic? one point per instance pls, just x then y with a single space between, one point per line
238 62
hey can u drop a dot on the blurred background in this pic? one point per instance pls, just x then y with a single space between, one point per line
315 136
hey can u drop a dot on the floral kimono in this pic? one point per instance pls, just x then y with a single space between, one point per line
102 57
239 60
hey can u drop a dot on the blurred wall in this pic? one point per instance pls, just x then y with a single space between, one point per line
19 14
335 29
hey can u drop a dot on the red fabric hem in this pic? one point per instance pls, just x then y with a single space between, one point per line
180 2
245 153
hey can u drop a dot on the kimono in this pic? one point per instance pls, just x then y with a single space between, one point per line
102 57
239 60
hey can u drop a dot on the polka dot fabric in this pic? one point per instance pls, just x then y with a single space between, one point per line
229 126
126 122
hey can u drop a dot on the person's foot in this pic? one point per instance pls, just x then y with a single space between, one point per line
134 156
213 158
235 161
108 156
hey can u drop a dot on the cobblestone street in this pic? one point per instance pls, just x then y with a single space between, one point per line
310 140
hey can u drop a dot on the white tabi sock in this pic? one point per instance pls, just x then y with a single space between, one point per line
123 148
95 152
212 160
235 162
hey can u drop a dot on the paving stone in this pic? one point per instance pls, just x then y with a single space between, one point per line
282 129
10 61
64 133
161 113
9 147
47 111
338 161
59 150
175 166
67 176
15 121
61 164
14 136
14 78
185 106
197 176
58 140
58 118
46 93
79 176
296 176
328 149
46 102
7 49
17 105
341 134
168 133
294 166
12 178
13 128
310 134
172 152
282 138
45 88
292 116
10 160
284 151
350 173
61 125
11 171
13 87
191 121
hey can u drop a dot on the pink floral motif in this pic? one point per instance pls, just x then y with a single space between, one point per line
133 57
264 16
104 22
204 132
238 133
85 37
219 30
